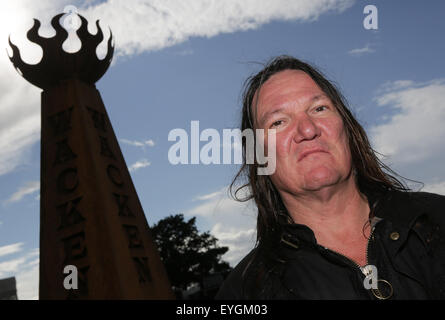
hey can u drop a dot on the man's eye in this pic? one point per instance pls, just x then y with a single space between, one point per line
321 108
276 123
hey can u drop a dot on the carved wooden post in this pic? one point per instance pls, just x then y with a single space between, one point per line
90 214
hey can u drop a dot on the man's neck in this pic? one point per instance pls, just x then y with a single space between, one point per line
336 214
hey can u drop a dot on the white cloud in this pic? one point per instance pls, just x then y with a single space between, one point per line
11 266
213 203
396 85
141 144
415 132
11 248
28 277
209 195
139 164
29 188
234 223
26 271
438 188
360 51
28 282
19 121
142 25
411 134
240 241
20 101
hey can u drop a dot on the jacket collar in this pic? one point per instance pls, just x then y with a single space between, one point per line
402 209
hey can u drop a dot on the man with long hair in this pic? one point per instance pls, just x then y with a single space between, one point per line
333 221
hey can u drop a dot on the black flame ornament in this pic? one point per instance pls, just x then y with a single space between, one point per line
58 65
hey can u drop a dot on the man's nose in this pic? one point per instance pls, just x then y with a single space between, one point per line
306 129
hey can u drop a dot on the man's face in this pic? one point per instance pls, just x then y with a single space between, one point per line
312 150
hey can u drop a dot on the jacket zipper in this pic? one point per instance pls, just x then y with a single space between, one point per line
366 271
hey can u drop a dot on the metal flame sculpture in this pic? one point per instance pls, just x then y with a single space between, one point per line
56 64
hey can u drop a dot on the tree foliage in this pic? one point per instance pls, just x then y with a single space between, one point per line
188 255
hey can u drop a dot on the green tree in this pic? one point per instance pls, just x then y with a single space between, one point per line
188 255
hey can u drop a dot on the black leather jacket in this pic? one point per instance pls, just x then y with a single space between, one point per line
407 246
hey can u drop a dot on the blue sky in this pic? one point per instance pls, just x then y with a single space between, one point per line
180 61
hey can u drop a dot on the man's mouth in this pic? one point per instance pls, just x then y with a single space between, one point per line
305 153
